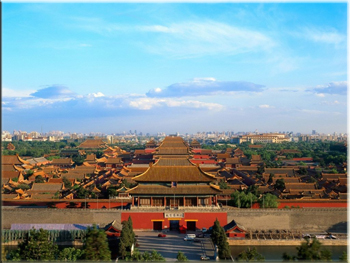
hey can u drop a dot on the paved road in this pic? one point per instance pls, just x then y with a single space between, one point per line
170 245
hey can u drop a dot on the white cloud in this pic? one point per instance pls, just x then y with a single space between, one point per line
157 90
323 36
204 86
10 93
149 103
332 103
320 35
266 106
54 92
320 95
337 87
191 39
96 95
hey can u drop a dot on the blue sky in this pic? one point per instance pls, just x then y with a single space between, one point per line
186 67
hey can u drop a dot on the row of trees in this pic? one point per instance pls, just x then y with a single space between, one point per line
326 153
246 198
310 250
38 247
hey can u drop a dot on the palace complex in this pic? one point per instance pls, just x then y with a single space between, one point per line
173 180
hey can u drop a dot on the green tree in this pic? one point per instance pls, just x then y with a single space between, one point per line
3 251
67 183
136 256
268 201
28 174
82 193
270 178
241 199
70 254
78 160
334 171
250 254
344 256
36 246
39 179
287 257
122 249
302 163
303 171
155 256
96 245
23 186
219 238
223 184
181 257
310 251
127 236
280 185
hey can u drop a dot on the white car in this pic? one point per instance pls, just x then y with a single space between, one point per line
204 257
188 238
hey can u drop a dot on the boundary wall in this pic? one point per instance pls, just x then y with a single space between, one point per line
304 219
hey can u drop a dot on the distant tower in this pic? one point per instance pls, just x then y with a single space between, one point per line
313 132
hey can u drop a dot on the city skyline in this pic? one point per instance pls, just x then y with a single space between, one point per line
174 67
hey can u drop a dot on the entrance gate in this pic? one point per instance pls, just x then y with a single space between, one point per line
191 225
174 225
157 225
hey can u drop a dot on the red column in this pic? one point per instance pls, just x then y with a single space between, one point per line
184 202
151 201
133 201
138 201
197 200
216 200
164 201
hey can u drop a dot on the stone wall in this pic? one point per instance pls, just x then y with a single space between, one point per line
57 216
306 219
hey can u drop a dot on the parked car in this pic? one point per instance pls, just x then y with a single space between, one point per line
204 257
161 235
200 235
196 240
188 238
204 229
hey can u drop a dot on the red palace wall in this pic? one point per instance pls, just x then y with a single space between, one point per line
307 204
93 204
144 220
313 204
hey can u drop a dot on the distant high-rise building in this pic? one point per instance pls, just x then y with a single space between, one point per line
314 132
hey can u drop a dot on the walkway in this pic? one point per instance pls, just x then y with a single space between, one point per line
170 245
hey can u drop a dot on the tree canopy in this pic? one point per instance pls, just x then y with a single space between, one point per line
268 201
96 245
36 246
181 257
250 254
219 238
310 250
127 237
